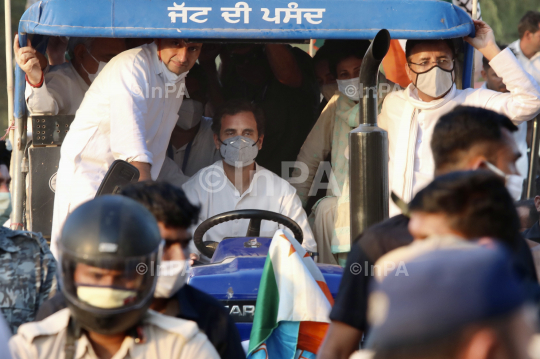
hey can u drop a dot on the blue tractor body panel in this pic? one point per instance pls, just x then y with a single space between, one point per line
257 19
234 275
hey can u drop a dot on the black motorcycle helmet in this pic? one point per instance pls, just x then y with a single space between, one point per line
109 250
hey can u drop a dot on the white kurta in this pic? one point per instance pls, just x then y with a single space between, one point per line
121 117
61 93
410 121
532 65
211 189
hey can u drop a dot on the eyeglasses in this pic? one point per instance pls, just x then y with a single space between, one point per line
424 66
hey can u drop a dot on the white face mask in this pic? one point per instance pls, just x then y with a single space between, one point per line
435 82
513 183
329 90
190 114
169 76
101 65
239 151
105 297
350 88
172 276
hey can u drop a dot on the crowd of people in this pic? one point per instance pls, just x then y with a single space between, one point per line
259 129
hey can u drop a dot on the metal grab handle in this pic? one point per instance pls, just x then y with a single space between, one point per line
533 161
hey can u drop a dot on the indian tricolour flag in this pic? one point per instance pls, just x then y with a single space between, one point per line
293 304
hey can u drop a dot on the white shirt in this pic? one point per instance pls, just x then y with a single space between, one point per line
532 65
61 93
162 337
211 189
121 117
203 150
410 121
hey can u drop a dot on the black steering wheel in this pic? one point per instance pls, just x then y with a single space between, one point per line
254 229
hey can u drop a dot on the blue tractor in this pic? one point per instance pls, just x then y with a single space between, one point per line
236 265
234 272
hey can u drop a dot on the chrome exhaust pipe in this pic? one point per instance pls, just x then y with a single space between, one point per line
368 147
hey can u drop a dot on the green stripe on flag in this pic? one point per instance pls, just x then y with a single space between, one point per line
267 307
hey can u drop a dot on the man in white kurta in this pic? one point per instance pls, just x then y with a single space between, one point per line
216 194
63 87
527 48
127 114
410 115
223 187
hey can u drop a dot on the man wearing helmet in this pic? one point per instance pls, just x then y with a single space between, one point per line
172 296
110 250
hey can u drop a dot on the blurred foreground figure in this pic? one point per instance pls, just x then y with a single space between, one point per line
467 138
528 214
450 304
173 296
110 249
495 83
5 334
27 266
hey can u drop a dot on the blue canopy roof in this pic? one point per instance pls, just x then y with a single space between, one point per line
247 19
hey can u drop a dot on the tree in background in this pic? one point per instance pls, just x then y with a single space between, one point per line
503 16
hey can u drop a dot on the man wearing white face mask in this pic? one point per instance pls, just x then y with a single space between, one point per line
410 115
172 296
127 114
238 182
192 138
59 90
110 249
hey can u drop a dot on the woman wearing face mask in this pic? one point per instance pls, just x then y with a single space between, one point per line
328 141
410 115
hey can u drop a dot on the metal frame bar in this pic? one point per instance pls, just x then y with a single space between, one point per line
533 160
18 183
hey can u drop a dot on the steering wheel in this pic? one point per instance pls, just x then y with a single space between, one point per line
254 229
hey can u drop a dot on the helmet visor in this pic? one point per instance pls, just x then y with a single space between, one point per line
109 283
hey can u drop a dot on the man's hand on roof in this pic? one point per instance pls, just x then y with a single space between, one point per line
27 59
484 41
